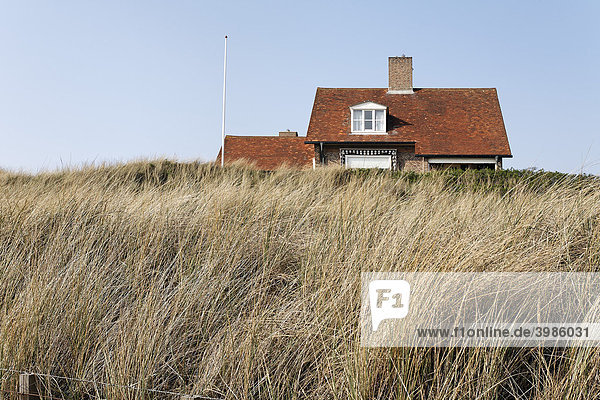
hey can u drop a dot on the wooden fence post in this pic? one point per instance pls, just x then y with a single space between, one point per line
29 387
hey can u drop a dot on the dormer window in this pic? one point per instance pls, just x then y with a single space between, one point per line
368 118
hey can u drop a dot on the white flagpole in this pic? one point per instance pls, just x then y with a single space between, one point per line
223 121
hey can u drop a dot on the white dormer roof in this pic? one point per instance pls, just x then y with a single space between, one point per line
368 105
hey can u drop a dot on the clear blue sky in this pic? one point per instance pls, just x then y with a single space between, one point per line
91 81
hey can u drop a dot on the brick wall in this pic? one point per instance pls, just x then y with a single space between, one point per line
332 155
410 162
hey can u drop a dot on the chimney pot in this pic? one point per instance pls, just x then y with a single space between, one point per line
288 134
400 75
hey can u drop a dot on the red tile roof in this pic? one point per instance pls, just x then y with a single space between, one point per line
268 152
439 121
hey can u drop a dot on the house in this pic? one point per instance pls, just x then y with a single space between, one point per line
397 128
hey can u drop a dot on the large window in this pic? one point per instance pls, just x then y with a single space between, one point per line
369 158
379 161
368 118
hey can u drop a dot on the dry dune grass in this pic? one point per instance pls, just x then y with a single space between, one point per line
239 284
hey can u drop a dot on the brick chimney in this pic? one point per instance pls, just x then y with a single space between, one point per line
288 134
400 75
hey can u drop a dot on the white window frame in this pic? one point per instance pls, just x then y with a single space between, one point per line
359 109
345 152
388 159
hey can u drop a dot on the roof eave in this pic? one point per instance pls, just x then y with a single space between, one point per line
465 155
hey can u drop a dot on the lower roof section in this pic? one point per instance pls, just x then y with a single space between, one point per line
462 160
271 152
465 155
398 142
268 152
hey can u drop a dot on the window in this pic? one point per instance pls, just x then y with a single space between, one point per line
368 118
357 120
380 120
369 158
379 161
